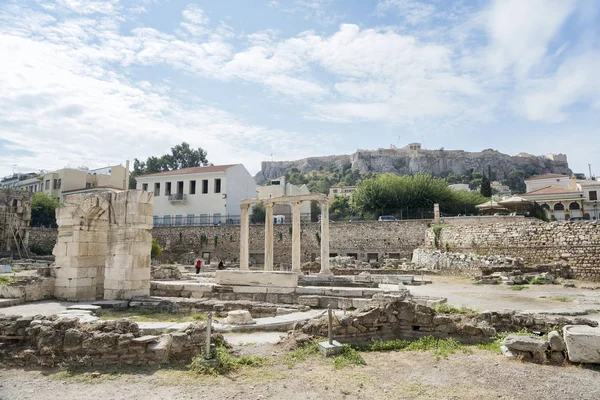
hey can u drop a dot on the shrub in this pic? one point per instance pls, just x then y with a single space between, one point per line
156 249
223 362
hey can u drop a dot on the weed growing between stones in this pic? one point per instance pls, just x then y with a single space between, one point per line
7 280
517 288
223 362
445 308
562 299
436 235
302 353
441 348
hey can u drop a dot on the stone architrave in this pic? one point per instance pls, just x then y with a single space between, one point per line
244 236
296 247
103 246
325 239
269 237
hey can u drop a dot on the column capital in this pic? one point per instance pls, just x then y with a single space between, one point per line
244 206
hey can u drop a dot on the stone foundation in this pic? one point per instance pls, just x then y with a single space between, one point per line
51 341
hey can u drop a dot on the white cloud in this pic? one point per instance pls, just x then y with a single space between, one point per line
413 12
520 31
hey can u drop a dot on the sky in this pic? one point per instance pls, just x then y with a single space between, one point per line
94 83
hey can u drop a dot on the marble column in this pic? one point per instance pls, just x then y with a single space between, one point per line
436 213
296 228
244 236
325 238
269 237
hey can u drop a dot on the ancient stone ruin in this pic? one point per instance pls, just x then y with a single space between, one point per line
15 215
103 246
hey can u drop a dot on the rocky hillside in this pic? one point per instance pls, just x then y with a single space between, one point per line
409 161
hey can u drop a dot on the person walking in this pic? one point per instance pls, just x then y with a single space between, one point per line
198 265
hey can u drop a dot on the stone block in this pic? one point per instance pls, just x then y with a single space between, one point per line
583 343
311 301
280 290
240 317
256 278
331 349
311 290
556 341
525 343
249 289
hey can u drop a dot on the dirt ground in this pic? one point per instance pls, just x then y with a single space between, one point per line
387 375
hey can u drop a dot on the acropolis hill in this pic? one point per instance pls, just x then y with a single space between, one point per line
413 158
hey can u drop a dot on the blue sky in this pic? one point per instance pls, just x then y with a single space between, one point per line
86 82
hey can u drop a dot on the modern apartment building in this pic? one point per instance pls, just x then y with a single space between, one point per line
199 196
66 181
279 187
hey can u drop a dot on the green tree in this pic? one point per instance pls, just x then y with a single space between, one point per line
182 156
43 210
486 187
258 214
339 208
516 181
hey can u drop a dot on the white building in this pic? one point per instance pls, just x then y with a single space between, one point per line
563 197
279 187
199 196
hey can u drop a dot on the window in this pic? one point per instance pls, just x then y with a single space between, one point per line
88 185
192 187
157 189
218 185
179 220
59 183
145 187
334 190
593 195
559 207
155 220
204 186
55 184
190 219
203 219
180 188
47 186
217 218
167 220
168 189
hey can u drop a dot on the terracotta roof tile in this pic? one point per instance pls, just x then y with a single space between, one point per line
551 190
92 188
193 170
546 176
586 184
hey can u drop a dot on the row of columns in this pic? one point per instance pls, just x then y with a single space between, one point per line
296 242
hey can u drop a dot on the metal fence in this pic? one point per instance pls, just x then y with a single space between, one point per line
216 219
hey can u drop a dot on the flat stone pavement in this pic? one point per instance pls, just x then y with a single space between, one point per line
534 298
44 307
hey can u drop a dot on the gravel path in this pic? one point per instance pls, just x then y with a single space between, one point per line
389 375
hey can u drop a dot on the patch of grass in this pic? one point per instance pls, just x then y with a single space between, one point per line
7 280
152 316
518 288
537 281
445 308
224 363
349 356
562 299
302 353
441 348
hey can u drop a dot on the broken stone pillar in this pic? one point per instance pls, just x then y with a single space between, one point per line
296 246
325 239
436 213
244 236
80 248
103 246
127 267
269 237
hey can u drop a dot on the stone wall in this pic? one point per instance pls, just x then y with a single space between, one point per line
365 239
42 239
29 288
49 341
575 243
400 317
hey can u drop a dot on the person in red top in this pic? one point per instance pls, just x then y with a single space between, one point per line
198 265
